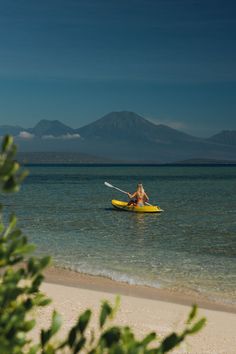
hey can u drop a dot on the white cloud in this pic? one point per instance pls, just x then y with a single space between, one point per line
63 137
71 136
26 135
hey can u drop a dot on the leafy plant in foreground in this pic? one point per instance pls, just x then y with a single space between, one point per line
20 280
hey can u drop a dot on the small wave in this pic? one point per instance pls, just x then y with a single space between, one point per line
113 275
135 280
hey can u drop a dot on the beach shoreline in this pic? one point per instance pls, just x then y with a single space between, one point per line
71 278
142 314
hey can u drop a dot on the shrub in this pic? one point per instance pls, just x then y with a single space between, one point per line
20 280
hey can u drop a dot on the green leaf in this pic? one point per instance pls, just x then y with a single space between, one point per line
106 311
34 350
41 300
28 304
56 323
111 336
170 342
192 314
149 338
44 302
45 336
72 337
44 262
28 248
37 282
31 265
9 230
116 306
119 349
1 227
7 143
14 234
83 321
12 221
28 325
127 335
196 328
79 345
9 168
11 185
49 349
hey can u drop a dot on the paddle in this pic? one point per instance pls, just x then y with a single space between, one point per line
111 186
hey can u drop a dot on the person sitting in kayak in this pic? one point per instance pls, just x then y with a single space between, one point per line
139 197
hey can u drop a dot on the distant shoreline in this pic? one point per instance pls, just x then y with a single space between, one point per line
76 158
88 164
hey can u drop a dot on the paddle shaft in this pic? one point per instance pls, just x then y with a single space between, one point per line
120 190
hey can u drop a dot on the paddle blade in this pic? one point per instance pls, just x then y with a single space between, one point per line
108 184
111 186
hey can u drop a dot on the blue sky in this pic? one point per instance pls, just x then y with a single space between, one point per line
172 61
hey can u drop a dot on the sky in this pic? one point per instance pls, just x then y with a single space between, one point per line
171 61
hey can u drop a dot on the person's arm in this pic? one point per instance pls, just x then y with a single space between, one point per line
131 196
146 196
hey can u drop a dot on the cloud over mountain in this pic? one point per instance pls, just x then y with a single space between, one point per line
67 136
25 135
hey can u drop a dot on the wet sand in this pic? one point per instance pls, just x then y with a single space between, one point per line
71 278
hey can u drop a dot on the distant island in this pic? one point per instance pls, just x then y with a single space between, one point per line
29 158
119 137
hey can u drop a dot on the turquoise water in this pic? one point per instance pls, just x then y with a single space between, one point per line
66 211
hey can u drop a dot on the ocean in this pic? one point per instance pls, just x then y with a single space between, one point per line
190 247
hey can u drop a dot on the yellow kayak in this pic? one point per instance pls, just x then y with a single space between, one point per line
138 209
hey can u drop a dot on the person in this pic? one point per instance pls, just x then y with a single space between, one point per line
139 197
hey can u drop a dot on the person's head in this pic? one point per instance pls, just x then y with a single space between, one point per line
140 188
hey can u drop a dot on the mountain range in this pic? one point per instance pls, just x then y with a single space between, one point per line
123 137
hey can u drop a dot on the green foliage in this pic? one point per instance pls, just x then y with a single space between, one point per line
20 280
10 175
21 275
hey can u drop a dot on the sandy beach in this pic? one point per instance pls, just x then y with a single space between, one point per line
141 308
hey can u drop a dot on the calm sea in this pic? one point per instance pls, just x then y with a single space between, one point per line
191 246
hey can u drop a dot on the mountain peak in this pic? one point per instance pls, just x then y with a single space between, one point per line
122 117
121 125
131 126
226 137
51 127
